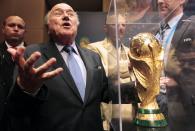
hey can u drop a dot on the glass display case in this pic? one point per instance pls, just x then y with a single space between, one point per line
151 85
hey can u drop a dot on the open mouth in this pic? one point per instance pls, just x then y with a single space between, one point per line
66 24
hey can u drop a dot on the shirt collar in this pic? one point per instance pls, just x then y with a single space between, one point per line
60 47
9 46
175 20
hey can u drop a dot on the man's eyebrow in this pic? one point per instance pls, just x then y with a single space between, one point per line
68 10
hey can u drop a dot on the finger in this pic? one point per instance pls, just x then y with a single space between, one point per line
43 68
12 52
51 74
19 57
17 54
28 66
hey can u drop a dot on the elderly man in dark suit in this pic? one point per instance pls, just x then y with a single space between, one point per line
13 30
47 90
179 44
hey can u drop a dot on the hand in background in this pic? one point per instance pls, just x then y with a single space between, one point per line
167 81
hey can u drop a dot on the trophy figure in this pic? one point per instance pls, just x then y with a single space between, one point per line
146 56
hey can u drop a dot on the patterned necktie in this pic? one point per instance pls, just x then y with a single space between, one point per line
163 28
75 70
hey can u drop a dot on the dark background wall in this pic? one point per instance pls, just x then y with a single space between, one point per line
79 5
91 26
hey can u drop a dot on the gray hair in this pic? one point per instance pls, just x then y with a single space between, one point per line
46 19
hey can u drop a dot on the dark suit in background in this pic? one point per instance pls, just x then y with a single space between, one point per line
177 103
181 98
6 78
13 30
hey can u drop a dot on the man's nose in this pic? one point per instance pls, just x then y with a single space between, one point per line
121 25
65 16
16 28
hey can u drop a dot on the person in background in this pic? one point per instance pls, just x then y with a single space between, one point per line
13 30
177 92
59 86
108 50
84 42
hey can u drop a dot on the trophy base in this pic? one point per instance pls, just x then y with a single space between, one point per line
150 118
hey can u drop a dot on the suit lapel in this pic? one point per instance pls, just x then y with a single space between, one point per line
181 28
49 51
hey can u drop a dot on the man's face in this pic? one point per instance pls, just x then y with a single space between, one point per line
63 22
14 30
111 27
167 6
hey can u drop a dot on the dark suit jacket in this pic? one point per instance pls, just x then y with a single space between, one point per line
6 80
8 72
181 98
58 105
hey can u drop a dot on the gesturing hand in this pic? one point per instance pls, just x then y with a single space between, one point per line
31 79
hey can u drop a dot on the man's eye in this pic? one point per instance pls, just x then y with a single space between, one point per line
58 13
16 25
71 13
11 25
68 13
21 26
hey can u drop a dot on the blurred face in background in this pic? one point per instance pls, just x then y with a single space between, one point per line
170 7
63 23
110 27
13 30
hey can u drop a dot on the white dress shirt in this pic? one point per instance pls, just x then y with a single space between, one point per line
169 33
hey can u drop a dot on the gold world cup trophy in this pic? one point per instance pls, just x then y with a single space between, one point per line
146 56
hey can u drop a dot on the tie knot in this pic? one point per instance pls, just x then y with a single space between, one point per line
69 49
164 27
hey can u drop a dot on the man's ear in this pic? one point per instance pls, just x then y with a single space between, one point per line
47 28
105 28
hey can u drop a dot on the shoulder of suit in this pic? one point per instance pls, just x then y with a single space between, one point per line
90 53
34 47
186 18
192 18
3 47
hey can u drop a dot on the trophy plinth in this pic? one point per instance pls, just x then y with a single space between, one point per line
146 56
150 117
